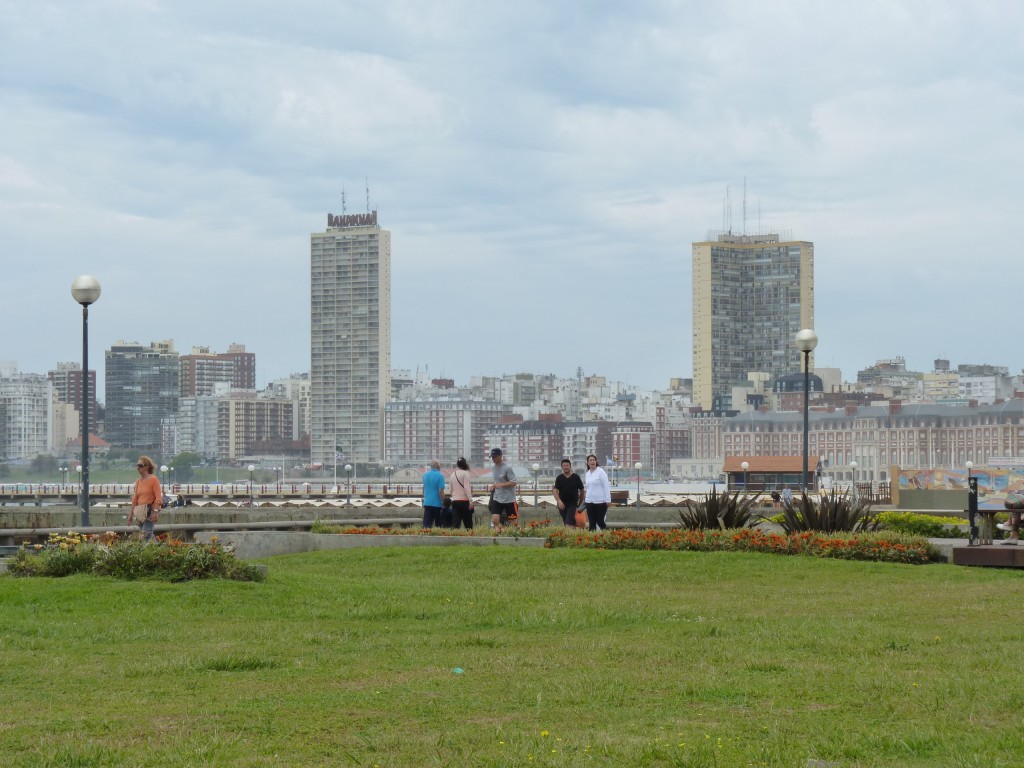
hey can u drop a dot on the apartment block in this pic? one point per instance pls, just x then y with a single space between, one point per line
417 431
26 412
142 386
203 369
751 295
67 382
350 371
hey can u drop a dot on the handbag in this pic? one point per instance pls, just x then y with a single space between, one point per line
138 514
581 518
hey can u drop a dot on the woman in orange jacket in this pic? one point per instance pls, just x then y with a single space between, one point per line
148 492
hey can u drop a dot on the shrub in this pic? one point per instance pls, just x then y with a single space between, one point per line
930 526
107 555
718 511
835 512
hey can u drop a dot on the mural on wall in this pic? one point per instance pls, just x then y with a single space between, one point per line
993 483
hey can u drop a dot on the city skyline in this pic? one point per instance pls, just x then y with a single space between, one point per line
512 154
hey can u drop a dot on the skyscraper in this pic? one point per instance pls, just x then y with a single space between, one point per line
751 294
142 388
350 369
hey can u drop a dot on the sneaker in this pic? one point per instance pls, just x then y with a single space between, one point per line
1010 542
1004 526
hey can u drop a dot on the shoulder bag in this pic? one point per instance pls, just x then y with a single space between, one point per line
139 512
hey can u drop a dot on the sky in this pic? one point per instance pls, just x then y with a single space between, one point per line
543 168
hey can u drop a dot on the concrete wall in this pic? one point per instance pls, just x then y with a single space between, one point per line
932 500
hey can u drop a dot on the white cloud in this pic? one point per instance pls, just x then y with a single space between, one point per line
542 164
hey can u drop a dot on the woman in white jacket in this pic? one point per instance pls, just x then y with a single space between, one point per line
598 494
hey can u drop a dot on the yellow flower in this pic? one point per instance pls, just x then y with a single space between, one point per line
544 733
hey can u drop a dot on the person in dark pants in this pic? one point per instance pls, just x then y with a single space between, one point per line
598 494
503 490
462 495
568 492
433 495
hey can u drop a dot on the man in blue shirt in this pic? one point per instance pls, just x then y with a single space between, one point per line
433 495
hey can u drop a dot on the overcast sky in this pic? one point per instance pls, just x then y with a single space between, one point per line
543 168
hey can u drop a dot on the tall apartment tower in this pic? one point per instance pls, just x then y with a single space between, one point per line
141 389
751 294
350 370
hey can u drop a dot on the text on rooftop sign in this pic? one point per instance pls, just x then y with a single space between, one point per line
352 219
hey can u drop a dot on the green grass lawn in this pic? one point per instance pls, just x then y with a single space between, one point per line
512 657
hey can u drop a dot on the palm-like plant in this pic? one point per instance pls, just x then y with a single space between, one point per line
716 510
835 512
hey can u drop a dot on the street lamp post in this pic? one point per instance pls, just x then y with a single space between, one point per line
348 473
78 469
535 470
85 290
638 466
251 468
64 475
745 466
973 536
806 341
853 466
388 470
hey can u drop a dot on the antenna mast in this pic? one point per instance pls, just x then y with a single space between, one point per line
744 206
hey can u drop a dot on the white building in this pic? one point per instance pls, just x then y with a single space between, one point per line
26 409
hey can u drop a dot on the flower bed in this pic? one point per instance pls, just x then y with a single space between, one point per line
879 547
109 555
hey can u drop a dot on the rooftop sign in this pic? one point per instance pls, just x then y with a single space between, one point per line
352 219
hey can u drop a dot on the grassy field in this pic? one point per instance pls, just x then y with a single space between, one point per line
508 657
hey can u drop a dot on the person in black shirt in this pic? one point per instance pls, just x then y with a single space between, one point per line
568 493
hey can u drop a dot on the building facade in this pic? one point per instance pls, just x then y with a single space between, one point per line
878 437
418 431
67 381
202 370
26 411
350 369
751 294
142 385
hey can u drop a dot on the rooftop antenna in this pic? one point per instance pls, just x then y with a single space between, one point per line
367 195
744 206
759 230
728 211
342 201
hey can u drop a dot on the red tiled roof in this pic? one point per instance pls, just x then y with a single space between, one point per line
770 463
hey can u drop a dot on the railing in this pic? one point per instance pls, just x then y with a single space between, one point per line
202 490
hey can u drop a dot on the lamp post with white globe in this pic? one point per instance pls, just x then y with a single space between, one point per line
806 341
638 466
85 290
